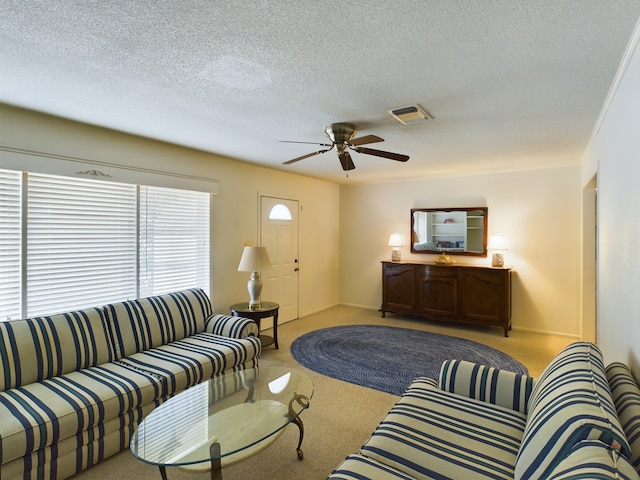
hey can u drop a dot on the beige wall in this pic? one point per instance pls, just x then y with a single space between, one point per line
615 154
234 209
538 211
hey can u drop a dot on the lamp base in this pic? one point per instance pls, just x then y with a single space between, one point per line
254 285
396 255
497 260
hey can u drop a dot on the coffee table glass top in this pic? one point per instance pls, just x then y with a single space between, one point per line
240 412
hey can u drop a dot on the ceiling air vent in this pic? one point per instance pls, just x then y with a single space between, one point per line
410 114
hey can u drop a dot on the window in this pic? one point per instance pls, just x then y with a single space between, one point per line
70 243
280 212
174 240
10 245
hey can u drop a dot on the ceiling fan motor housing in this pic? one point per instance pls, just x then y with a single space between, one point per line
340 133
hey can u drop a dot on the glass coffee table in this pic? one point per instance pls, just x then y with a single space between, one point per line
224 420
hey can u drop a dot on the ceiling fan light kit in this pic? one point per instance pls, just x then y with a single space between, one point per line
342 139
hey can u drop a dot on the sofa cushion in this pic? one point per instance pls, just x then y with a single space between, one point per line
145 323
593 459
40 414
39 348
570 402
430 433
359 467
626 397
489 384
191 360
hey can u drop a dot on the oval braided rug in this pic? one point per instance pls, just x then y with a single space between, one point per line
389 358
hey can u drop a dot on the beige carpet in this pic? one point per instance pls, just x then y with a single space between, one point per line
341 416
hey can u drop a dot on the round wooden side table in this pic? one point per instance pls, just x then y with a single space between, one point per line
267 309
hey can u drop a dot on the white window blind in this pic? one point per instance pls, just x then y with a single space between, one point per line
81 243
174 240
70 243
10 245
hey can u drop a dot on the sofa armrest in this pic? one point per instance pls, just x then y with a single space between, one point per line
230 326
499 387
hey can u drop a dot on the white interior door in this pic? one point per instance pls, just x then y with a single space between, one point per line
279 233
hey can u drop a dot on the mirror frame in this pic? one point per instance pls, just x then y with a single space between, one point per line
446 250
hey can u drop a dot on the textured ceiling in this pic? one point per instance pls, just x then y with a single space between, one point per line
510 84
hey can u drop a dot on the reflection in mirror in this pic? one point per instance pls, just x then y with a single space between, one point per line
456 231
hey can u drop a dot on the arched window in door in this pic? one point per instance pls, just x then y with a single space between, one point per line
280 212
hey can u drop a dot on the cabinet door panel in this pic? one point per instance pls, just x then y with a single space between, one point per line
486 295
438 295
399 287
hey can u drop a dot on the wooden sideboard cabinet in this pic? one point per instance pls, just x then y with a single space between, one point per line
458 293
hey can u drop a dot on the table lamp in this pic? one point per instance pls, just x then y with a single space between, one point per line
498 244
254 259
396 240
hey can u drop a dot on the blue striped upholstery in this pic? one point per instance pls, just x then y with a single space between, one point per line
39 348
471 424
432 434
570 402
233 327
593 460
499 387
359 467
38 415
145 323
626 397
74 386
192 360
76 453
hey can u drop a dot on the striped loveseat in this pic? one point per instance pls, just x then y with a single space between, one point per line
74 386
577 420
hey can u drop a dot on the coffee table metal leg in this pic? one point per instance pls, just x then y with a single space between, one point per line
298 422
303 401
216 461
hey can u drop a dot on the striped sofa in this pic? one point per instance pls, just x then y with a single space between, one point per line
577 420
74 386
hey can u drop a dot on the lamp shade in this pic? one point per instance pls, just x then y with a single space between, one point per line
396 240
254 258
497 242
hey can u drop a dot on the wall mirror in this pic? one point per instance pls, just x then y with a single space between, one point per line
456 231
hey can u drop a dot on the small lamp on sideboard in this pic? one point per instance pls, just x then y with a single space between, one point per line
497 244
396 240
253 260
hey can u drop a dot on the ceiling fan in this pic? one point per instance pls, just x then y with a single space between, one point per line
341 136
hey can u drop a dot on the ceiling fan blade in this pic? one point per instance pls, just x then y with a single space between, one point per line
366 139
305 156
345 160
379 153
308 143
